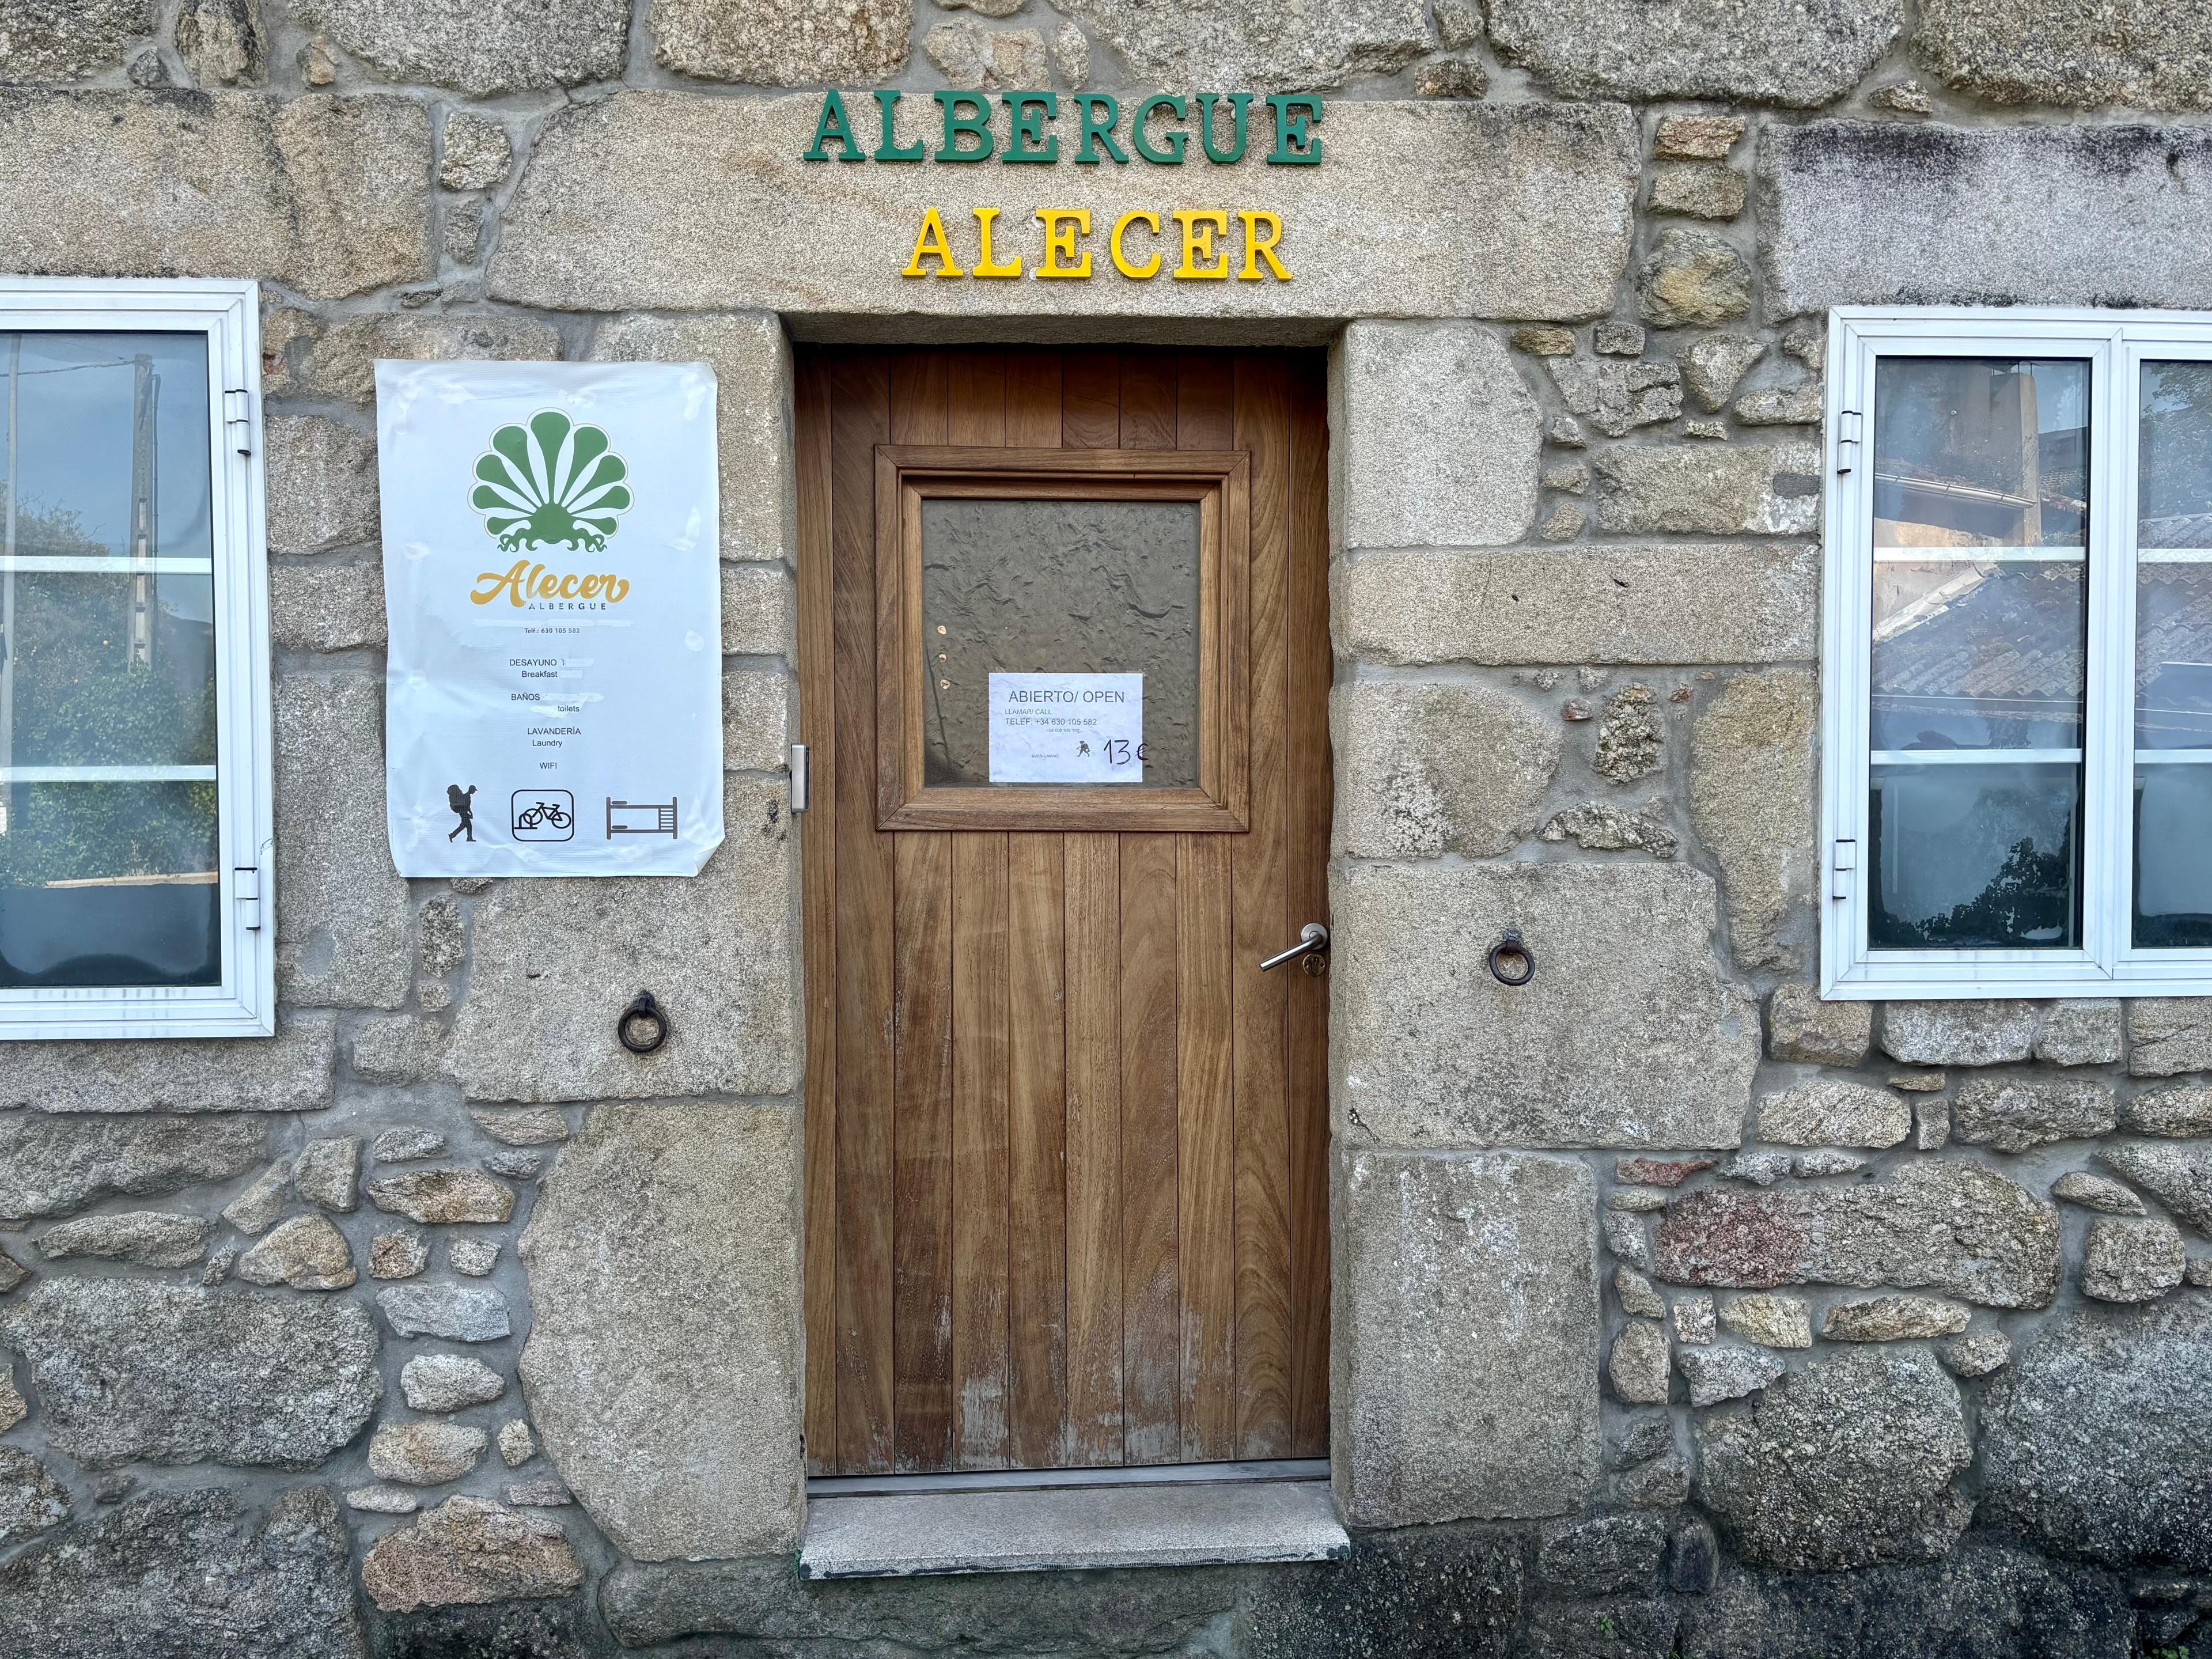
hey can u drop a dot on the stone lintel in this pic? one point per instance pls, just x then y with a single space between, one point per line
667 200
1875 213
327 195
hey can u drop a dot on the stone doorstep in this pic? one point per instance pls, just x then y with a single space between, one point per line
1040 1529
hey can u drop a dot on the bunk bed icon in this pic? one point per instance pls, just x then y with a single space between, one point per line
641 818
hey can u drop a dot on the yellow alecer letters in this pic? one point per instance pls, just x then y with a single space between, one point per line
1200 226
1062 227
1255 250
930 243
985 265
1120 263
1203 232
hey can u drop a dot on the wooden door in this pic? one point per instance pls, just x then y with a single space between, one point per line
1065 1194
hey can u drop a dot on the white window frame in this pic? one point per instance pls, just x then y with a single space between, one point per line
244 1004
2115 344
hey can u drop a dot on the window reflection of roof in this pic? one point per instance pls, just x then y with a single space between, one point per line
2174 637
2188 530
2007 630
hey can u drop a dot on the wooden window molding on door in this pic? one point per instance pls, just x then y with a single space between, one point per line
1218 482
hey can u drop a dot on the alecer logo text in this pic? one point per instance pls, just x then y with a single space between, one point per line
549 483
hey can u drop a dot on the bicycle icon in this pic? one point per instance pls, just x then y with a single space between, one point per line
543 815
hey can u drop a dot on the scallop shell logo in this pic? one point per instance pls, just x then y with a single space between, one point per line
550 483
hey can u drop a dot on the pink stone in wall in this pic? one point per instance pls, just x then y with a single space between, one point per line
1943 1224
1750 1241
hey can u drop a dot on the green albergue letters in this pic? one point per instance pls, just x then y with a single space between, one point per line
888 150
1154 131
976 125
1028 141
833 124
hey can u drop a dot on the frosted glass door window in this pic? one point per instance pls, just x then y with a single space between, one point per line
1048 587
2173 885
1979 615
109 868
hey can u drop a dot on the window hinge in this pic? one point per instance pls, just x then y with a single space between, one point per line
1842 868
238 420
245 886
1847 439
802 778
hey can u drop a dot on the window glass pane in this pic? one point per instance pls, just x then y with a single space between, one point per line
2173 505
1974 855
1058 587
2174 559
109 883
108 853
1981 451
2173 659
2174 652
1980 618
1981 654
112 670
2173 857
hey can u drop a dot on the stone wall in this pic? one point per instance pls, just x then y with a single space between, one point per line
270 1330
1675 1311
1894 1292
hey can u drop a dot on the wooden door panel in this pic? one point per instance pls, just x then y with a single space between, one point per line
1148 401
1205 402
1259 888
921 1140
1065 1145
975 399
921 1097
1206 419
1151 1302
1207 1137
859 419
1036 1172
1033 399
981 1212
1093 903
1090 406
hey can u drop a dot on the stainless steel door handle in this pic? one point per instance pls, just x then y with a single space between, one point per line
1313 941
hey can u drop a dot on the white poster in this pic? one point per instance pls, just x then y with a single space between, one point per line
1067 728
551 573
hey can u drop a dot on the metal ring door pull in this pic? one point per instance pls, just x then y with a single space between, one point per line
1512 963
1313 945
642 1027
